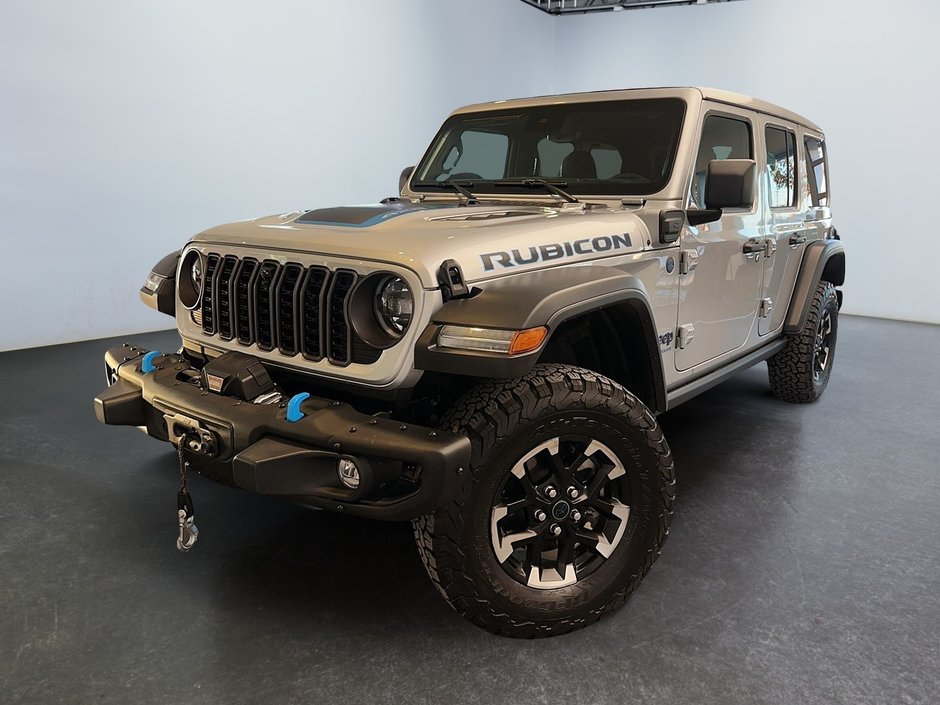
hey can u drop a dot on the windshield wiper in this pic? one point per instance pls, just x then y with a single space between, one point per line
552 186
469 198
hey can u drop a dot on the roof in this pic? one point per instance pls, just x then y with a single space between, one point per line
714 94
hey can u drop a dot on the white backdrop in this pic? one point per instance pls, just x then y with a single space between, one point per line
865 70
126 127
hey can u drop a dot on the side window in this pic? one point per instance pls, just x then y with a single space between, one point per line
551 155
781 167
817 172
722 138
482 155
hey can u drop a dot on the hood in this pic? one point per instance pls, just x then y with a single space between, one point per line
487 240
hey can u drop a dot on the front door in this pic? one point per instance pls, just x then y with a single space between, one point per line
720 285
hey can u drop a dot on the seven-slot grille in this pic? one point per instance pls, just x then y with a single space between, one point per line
287 307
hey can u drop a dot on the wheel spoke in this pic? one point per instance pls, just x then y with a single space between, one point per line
565 554
517 506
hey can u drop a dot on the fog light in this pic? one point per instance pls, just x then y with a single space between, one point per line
348 473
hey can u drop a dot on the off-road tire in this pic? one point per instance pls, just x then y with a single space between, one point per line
793 377
506 418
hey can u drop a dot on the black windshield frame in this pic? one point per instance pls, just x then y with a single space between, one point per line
653 140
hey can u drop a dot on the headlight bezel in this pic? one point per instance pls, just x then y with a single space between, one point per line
188 290
365 310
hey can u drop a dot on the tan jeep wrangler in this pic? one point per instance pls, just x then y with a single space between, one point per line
486 353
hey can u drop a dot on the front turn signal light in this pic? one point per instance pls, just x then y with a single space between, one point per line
527 340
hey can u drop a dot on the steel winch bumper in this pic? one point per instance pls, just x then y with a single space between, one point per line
405 470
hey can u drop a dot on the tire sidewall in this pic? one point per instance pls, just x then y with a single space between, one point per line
828 303
609 426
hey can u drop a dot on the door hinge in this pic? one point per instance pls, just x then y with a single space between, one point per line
688 261
766 306
684 335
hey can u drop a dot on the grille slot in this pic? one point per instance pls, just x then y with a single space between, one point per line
264 304
313 298
208 295
223 296
285 307
337 317
288 320
244 322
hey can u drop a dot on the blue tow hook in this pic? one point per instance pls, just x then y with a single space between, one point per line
293 407
146 365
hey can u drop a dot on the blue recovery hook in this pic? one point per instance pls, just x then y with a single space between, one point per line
146 365
293 407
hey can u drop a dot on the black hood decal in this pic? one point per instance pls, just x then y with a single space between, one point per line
364 216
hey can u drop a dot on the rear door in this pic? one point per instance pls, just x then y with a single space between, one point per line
720 285
796 211
782 173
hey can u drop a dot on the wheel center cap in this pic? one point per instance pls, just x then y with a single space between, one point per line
560 510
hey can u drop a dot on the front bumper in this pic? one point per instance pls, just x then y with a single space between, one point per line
406 470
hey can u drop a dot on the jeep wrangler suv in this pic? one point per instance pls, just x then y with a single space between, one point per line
486 353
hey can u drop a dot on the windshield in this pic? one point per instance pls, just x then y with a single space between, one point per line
604 148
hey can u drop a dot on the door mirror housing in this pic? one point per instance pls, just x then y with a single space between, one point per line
730 184
404 177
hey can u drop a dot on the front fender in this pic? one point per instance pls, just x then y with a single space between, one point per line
545 298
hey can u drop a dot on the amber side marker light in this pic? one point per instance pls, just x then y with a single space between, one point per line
527 340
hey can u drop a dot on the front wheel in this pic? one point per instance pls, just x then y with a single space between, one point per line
566 507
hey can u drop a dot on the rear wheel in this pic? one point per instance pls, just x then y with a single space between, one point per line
567 504
800 372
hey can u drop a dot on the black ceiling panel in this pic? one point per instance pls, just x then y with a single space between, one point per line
566 7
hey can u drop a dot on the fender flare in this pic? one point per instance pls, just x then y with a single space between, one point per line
547 297
815 258
163 299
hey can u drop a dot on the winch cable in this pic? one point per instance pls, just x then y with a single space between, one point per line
188 533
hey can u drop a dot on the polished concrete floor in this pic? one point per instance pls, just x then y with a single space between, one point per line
803 564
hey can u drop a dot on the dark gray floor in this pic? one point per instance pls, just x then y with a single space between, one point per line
803 564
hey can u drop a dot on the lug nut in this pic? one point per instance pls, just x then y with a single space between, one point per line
539 515
576 515
555 529
573 492
551 492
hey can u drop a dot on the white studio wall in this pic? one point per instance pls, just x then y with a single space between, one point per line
863 70
127 127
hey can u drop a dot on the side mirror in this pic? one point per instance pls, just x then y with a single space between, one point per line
403 179
730 183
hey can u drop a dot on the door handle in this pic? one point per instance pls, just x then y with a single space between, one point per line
752 247
797 239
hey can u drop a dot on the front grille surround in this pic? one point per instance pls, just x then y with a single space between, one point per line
287 307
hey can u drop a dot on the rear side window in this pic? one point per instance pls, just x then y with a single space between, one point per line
817 171
722 138
781 167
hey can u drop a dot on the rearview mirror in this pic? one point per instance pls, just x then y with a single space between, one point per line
730 184
403 179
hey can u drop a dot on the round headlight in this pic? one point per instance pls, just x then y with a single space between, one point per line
196 273
190 279
394 305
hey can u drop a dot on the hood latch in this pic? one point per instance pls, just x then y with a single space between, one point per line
450 277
